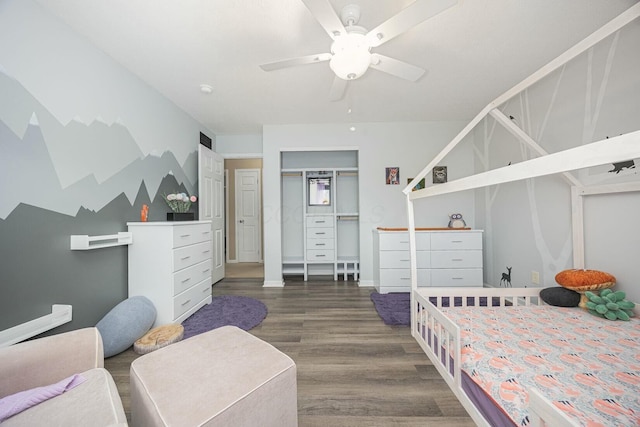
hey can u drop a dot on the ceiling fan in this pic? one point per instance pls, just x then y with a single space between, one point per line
350 55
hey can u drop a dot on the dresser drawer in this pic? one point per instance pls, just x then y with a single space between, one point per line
400 241
456 259
400 259
191 297
320 255
184 235
187 277
320 233
402 277
190 255
452 277
452 240
320 244
320 221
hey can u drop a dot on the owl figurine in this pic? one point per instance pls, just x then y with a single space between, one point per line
456 221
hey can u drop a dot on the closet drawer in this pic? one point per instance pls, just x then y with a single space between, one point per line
456 259
320 255
320 233
184 235
400 241
452 240
320 221
190 255
186 278
190 298
320 244
453 277
401 259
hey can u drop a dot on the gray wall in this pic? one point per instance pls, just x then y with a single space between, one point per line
528 223
83 144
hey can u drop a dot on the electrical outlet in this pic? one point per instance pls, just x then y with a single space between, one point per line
535 277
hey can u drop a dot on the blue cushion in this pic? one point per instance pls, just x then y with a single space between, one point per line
125 323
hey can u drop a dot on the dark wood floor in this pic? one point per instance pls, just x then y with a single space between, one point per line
353 370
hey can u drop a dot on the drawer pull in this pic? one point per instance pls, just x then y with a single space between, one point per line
320 222
206 270
320 256
456 241
317 234
404 241
205 252
185 258
404 260
457 278
185 235
186 302
206 232
186 280
320 244
456 259
205 290
405 278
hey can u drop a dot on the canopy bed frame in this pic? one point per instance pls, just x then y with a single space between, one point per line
426 318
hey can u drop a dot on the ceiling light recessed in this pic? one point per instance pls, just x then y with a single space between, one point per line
206 89
352 128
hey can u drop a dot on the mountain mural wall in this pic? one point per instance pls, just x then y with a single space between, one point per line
84 144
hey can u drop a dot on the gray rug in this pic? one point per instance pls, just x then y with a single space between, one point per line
244 312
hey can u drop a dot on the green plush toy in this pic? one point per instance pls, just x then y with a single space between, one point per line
610 305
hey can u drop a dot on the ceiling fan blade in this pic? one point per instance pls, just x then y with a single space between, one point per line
326 16
338 89
407 18
309 59
396 68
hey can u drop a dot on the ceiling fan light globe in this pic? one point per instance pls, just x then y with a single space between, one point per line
351 56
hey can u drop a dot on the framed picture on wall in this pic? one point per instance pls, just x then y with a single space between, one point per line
419 186
439 174
392 176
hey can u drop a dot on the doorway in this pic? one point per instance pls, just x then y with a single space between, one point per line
244 195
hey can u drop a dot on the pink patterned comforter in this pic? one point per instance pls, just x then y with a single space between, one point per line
587 366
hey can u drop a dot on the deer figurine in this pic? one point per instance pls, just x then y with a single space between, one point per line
506 278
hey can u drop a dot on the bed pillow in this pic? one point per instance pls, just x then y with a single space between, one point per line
560 297
585 280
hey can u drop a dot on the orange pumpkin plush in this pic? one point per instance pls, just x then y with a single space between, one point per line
585 280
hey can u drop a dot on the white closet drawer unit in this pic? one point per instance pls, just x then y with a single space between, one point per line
320 233
446 277
320 255
320 244
187 277
320 221
456 259
171 263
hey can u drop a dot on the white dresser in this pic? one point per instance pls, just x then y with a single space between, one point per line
444 258
170 263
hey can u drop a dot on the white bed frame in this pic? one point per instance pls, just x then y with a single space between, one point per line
608 151
428 317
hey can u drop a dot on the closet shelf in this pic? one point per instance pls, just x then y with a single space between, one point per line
84 242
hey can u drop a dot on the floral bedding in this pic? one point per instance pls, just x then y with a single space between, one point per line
587 366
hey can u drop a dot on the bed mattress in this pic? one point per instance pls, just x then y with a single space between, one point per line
587 366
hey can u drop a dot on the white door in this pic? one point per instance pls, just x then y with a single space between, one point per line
248 215
211 205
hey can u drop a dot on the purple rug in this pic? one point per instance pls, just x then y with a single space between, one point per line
393 307
244 312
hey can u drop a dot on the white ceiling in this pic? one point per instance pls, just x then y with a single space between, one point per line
472 52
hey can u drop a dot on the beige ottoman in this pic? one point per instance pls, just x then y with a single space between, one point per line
225 377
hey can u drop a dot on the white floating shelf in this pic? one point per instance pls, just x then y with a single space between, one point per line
60 313
84 242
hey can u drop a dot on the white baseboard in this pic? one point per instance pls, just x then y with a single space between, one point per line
365 283
60 314
273 284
